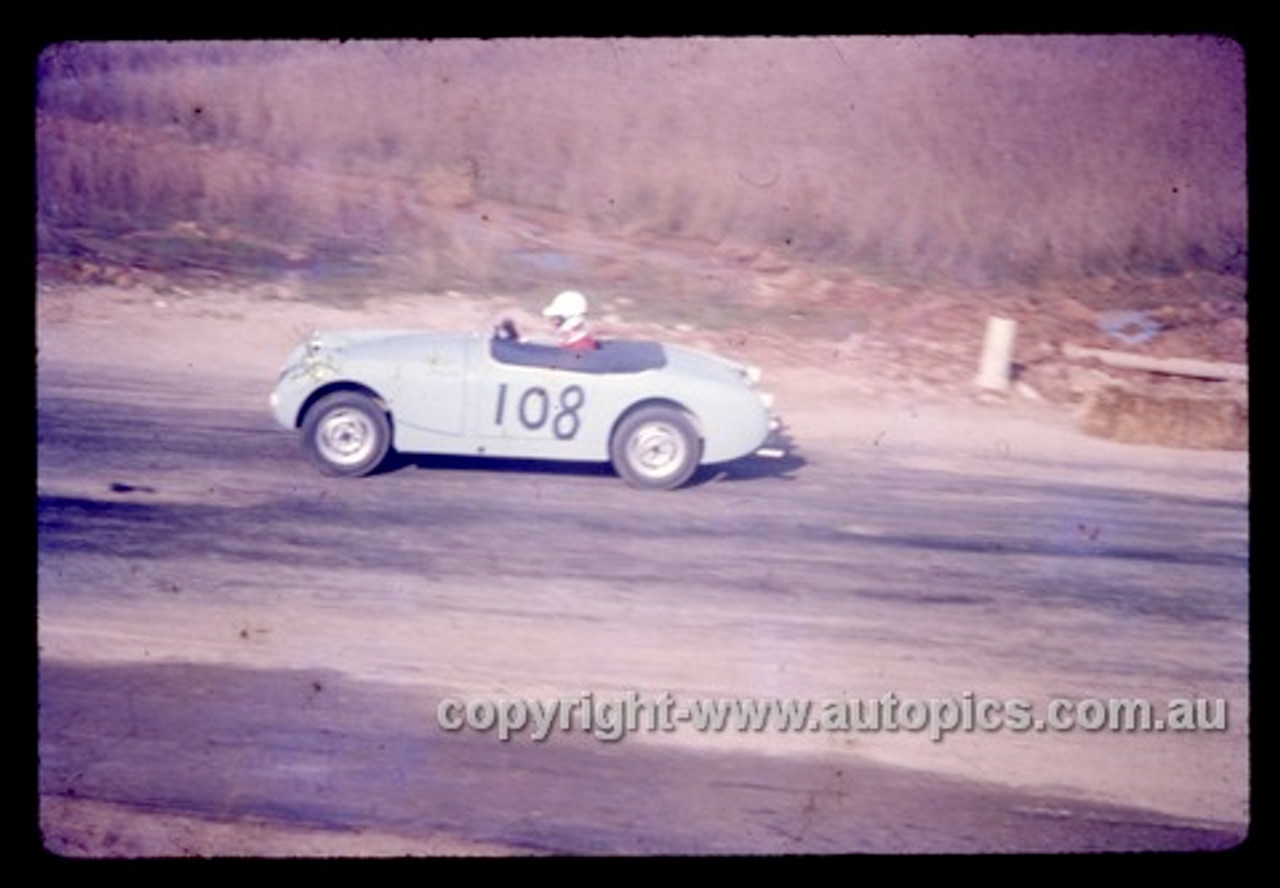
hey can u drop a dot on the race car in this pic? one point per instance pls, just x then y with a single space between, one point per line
655 411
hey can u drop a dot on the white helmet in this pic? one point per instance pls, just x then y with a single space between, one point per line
568 304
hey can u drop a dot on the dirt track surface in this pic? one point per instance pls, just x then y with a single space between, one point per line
239 656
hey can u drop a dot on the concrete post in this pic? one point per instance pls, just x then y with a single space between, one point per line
997 354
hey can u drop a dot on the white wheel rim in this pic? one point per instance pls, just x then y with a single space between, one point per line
657 450
346 437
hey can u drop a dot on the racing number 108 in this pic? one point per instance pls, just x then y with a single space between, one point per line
533 410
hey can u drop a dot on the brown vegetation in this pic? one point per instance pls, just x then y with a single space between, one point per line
972 161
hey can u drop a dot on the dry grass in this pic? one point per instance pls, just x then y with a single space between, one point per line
975 161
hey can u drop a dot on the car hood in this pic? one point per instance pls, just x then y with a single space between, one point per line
389 344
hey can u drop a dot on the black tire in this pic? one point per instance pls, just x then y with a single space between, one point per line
346 433
656 448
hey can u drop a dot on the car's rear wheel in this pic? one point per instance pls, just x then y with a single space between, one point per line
656 448
346 433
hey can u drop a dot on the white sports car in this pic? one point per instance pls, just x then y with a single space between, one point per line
655 411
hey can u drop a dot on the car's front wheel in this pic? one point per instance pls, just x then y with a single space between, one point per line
656 448
346 433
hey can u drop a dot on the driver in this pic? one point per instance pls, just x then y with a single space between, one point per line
568 313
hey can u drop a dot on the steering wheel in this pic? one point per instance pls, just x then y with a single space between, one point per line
506 330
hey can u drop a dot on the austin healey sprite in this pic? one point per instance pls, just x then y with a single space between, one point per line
655 411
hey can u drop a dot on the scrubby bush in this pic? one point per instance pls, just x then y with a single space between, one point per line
975 160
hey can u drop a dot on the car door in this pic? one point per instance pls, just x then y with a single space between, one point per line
534 411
